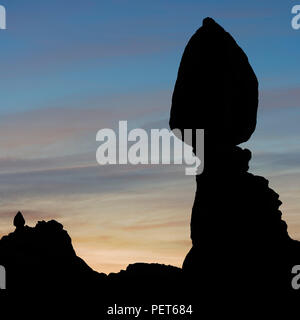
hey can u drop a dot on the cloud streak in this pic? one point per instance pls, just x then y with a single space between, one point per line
280 98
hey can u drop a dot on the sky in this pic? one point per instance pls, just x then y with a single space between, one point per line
71 68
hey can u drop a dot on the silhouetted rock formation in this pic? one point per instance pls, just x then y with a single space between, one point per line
19 221
239 239
216 88
42 259
42 256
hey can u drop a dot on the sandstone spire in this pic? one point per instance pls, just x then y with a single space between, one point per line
19 220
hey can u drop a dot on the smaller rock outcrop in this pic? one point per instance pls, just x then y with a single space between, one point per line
42 260
19 221
42 257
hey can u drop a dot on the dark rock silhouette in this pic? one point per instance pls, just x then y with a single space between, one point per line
42 256
216 88
42 259
239 239
19 221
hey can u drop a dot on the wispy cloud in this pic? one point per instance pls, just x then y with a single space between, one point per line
280 98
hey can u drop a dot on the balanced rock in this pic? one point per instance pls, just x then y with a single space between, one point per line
237 230
216 88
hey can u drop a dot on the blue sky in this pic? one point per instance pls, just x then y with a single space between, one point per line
70 68
63 50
